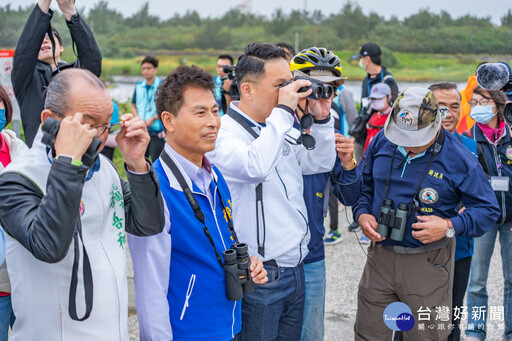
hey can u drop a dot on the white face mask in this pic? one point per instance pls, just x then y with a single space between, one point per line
361 65
378 104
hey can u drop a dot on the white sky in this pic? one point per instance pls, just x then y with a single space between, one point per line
166 8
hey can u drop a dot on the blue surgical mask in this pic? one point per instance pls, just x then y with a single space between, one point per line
3 120
482 113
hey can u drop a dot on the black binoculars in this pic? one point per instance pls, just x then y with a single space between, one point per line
394 220
320 89
50 129
237 273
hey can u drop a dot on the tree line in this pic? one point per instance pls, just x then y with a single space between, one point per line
422 32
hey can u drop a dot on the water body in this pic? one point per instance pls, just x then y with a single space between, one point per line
121 88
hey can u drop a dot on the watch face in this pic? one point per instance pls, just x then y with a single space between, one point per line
450 233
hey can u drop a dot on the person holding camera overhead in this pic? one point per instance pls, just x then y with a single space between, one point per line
493 135
66 210
414 176
191 290
263 159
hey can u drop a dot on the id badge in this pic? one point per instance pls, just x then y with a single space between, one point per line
500 183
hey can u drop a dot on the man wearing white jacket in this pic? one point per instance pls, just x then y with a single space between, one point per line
263 159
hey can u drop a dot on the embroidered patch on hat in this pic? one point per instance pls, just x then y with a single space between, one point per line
82 208
509 152
429 196
405 119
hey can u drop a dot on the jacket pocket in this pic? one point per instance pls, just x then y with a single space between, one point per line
190 288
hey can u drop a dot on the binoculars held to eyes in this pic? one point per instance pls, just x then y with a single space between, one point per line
50 129
236 272
320 89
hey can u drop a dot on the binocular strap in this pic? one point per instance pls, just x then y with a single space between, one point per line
87 274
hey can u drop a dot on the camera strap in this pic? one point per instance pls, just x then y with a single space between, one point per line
198 212
87 274
438 145
259 188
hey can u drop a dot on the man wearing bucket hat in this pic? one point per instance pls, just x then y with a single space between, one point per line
414 176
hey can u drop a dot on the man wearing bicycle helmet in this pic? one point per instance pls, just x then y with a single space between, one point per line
323 65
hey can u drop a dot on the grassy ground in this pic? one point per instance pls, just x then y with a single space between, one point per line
409 67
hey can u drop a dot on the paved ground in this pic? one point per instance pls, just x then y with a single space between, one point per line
345 262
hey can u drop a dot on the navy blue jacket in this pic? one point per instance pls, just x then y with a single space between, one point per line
492 153
464 244
454 176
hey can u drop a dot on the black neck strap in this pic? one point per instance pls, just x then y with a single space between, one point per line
259 188
87 275
438 145
198 212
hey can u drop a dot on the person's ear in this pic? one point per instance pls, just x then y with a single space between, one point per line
61 49
168 121
246 90
47 113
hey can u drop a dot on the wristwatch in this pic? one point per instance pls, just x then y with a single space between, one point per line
450 232
73 20
69 159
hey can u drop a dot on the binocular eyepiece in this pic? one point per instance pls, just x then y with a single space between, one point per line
394 220
320 89
237 273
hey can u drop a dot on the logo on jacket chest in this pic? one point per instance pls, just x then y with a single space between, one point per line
508 152
286 149
429 196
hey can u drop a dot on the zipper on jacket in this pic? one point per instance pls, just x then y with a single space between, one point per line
190 288
61 322
503 205
284 186
215 215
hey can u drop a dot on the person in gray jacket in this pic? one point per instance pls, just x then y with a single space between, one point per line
66 221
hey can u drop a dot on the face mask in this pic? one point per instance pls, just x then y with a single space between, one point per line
482 113
3 120
378 104
361 65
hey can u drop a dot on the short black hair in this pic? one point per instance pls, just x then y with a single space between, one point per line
444 86
291 51
150 59
252 62
227 56
169 96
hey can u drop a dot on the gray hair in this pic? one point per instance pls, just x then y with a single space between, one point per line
58 94
444 86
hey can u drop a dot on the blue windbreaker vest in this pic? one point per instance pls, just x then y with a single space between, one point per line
198 306
145 103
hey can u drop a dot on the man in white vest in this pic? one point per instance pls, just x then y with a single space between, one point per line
66 215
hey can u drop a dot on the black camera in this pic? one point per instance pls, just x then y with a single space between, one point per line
389 219
320 89
233 89
237 273
51 128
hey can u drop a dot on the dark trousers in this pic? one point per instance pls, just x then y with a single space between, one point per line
274 311
333 210
460 284
155 147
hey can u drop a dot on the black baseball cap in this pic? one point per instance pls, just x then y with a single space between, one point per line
368 49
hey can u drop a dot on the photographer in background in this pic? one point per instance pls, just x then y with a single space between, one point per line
180 286
62 215
263 160
37 58
222 84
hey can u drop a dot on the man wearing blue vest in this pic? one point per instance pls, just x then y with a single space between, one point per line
180 290
143 105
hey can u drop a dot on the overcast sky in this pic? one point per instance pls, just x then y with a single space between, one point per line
166 8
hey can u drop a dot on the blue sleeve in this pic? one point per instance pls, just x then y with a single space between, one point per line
482 208
134 97
346 184
2 246
364 203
